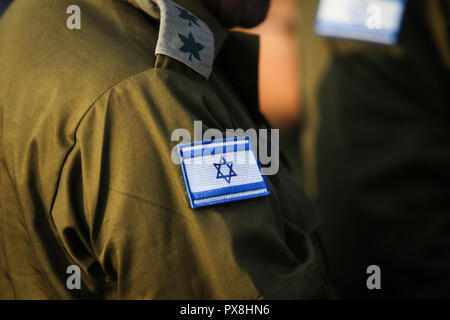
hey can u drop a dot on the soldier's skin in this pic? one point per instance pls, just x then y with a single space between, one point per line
377 154
86 173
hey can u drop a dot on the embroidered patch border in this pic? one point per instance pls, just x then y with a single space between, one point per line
219 171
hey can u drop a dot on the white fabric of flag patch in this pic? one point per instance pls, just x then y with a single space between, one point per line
377 21
219 171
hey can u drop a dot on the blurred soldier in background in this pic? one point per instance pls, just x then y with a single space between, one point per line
376 153
280 75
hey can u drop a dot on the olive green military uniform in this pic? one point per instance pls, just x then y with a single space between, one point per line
86 172
376 153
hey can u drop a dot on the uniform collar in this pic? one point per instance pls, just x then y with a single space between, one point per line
236 53
194 6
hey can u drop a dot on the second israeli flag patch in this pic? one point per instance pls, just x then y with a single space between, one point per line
219 171
377 21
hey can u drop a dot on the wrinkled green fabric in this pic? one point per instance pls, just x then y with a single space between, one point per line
377 154
87 177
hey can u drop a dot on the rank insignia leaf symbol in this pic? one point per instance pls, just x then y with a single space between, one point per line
185 15
230 170
191 46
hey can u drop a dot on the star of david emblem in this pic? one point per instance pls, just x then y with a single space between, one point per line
229 169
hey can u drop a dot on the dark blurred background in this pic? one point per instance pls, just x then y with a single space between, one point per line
373 121
3 5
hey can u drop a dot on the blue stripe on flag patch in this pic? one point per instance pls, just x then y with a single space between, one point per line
219 171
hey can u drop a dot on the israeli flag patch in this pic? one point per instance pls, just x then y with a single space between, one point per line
219 171
377 21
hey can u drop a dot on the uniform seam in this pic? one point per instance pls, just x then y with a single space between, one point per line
92 106
69 152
